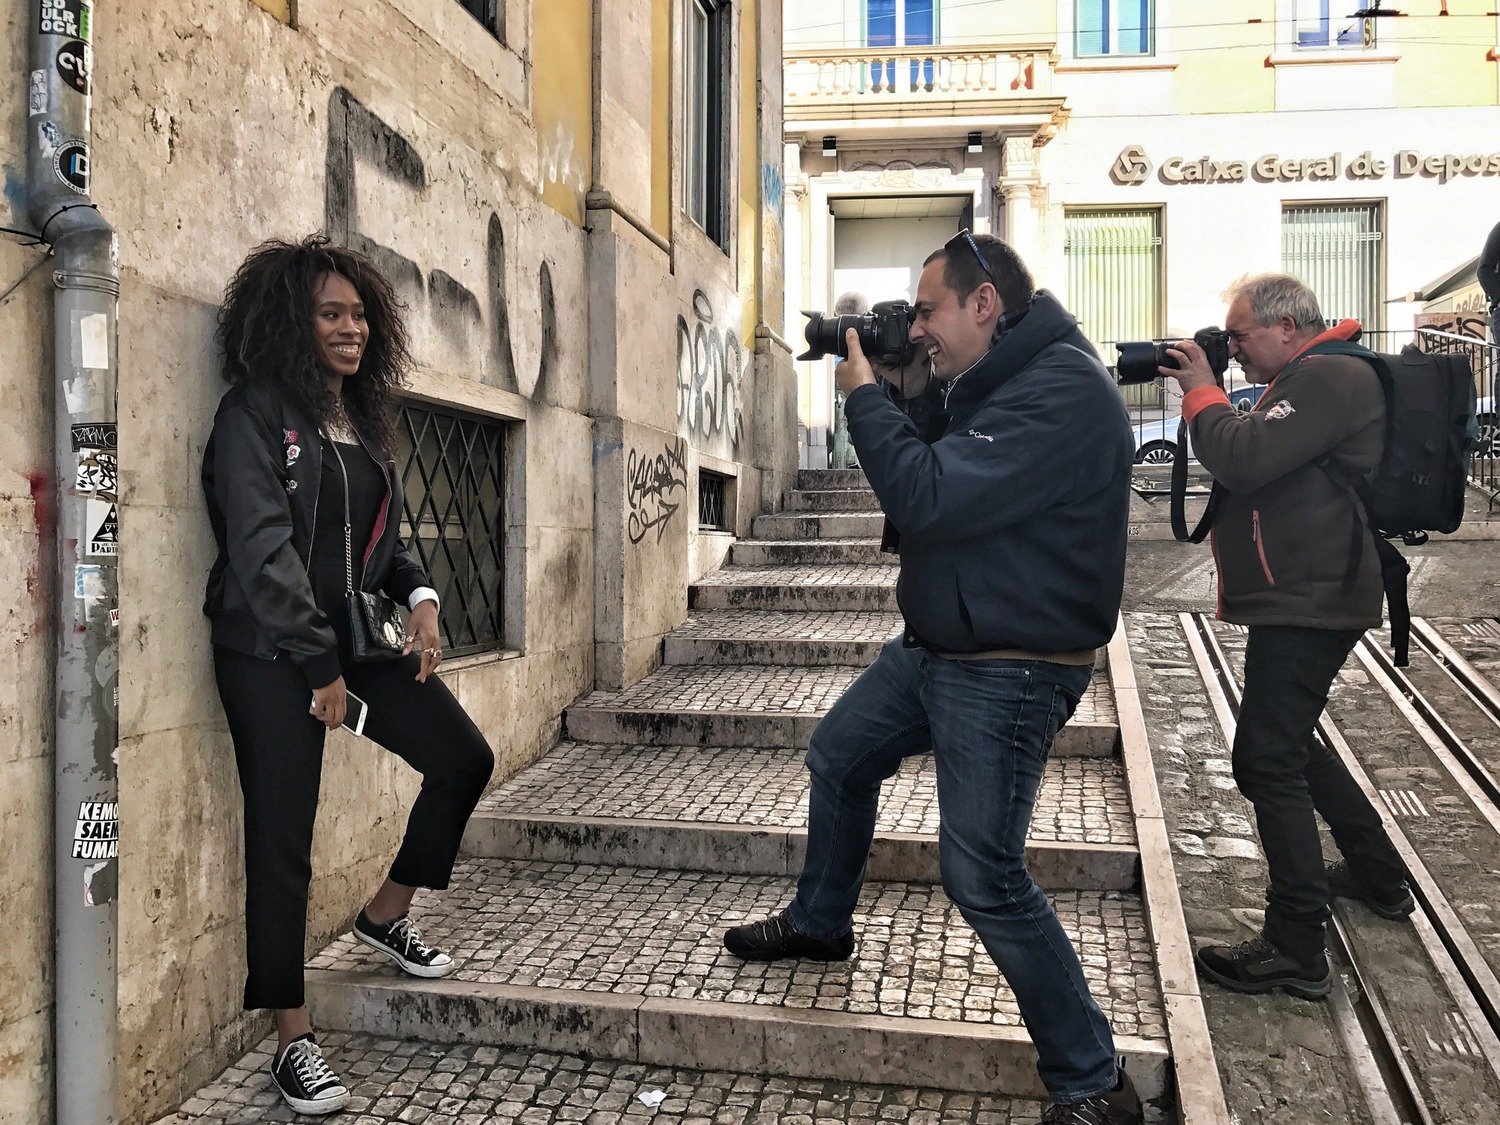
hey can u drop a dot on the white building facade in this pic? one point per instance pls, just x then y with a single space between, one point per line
1140 156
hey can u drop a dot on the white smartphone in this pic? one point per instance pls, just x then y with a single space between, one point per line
356 713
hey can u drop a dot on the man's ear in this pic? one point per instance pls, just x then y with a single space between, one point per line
987 302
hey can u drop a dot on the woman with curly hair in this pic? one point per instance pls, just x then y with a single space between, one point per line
304 500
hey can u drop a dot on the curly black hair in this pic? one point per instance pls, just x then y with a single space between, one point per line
266 331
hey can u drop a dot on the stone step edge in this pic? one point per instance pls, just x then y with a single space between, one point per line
741 849
704 1035
611 725
801 651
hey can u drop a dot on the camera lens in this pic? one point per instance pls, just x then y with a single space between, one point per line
1140 359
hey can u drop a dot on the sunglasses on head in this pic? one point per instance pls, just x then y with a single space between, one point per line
964 238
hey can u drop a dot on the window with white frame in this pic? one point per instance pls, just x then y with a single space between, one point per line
900 23
1114 259
1335 248
1333 25
1113 27
708 31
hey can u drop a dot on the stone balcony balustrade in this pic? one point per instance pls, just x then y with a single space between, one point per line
867 78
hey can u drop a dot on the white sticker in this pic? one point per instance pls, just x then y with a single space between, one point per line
82 394
97 473
97 832
38 92
93 341
88 582
101 528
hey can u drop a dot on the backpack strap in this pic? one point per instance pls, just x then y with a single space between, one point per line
1178 503
1393 565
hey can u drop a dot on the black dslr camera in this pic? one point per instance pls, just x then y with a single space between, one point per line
883 334
1139 359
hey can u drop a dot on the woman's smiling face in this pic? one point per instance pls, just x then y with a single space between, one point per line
339 325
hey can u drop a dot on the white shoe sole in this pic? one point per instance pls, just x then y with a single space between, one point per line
428 972
317 1108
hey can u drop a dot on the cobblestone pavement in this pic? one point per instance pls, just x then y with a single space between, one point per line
1082 799
1448 578
769 690
394 1082
645 932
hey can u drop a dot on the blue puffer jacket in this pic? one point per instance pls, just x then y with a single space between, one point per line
1012 524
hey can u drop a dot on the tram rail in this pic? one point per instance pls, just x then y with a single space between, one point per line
1383 1060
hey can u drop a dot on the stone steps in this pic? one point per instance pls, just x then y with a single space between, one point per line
811 479
745 636
865 587
832 500
742 810
627 963
448 1082
791 525
804 552
760 705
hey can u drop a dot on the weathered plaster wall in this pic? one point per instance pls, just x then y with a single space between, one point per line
402 129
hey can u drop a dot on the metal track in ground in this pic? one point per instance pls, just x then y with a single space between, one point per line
1382 1056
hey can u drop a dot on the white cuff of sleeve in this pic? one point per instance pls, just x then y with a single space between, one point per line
422 594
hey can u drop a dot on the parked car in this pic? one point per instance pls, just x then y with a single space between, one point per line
1156 438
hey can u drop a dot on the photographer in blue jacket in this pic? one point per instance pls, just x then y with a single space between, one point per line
1011 528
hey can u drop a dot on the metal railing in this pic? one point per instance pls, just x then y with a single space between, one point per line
1484 362
452 470
885 74
711 508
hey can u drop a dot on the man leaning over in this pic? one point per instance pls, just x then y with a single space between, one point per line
1282 539
1011 530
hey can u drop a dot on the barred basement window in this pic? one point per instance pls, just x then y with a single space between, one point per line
491 13
452 469
710 501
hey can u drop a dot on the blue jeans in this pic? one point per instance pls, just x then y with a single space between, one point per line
990 725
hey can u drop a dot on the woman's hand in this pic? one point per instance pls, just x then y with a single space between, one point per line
330 703
422 634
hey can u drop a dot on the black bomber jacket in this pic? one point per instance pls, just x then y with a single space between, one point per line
261 471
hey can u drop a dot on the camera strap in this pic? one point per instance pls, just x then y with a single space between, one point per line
1178 502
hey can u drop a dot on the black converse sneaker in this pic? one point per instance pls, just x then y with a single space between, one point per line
400 941
306 1080
1120 1106
1258 966
776 938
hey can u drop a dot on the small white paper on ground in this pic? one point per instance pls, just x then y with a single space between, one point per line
652 1098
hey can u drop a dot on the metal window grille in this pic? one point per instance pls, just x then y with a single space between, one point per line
707 114
1115 280
453 494
491 13
711 501
1336 250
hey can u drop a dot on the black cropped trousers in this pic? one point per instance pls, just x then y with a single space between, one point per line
278 747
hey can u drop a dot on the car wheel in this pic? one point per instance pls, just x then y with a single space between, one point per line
1489 436
1156 453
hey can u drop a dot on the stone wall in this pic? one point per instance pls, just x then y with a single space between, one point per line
403 130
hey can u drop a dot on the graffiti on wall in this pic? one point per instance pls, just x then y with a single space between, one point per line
656 487
1474 325
559 162
710 367
473 324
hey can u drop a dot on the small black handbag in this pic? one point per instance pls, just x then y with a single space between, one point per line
375 630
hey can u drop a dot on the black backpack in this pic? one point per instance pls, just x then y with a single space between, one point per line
1420 484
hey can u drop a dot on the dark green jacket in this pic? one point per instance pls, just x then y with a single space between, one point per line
1282 536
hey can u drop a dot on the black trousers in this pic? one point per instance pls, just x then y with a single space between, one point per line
278 747
1288 775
